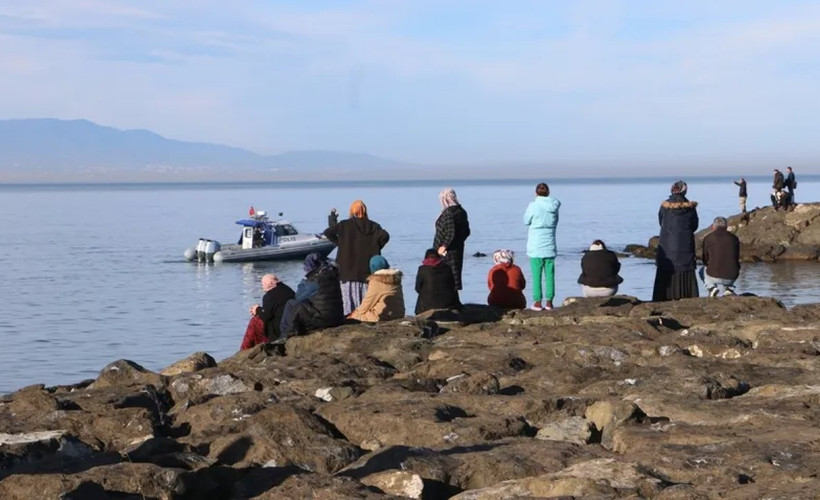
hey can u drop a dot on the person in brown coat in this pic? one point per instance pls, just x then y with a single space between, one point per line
384 299
721 259
506 282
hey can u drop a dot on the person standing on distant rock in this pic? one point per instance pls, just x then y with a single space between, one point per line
358 239
599 271
265 319
778 182
791 184
435 284
542 218
675 259
452 230
506 282
742 194
721 259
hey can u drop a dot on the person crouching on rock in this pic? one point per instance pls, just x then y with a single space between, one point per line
599 271
384 299
721 259
265 319
318 300
506 282
435 284
781 199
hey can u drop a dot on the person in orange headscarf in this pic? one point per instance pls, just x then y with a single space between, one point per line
357 239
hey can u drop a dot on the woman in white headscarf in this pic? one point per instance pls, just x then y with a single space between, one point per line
506 282
452 230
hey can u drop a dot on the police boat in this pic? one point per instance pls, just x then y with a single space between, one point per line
261 239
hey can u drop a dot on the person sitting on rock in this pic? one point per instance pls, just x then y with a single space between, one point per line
506 282
721 259
384 299
318 300
265 319
781 199
435 284
599 271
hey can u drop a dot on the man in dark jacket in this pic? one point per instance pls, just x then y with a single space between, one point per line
791 184
435 284
742 194
721 259
318 301
778 182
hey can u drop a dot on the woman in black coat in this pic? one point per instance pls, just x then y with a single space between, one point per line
452 230
435 284
599 271
675 260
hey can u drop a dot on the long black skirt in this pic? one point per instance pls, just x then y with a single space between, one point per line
674 285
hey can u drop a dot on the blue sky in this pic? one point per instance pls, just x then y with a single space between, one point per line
603 83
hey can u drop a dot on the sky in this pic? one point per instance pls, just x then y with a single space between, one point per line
606 83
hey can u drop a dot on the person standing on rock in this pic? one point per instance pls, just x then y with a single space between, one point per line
721 259
435 284
675 259
778 182
452 230
384 299
357 239
265 319
542 218
599 271
506 282
742 194
791 184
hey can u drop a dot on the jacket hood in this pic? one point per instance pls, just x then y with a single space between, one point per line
365 226
388 276
548 201
671 204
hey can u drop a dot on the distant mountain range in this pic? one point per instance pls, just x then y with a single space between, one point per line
51 149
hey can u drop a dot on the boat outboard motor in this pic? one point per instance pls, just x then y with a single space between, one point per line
211 247
200 250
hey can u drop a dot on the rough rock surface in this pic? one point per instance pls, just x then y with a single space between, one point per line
766 235
600 398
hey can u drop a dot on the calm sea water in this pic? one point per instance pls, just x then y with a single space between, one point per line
95 273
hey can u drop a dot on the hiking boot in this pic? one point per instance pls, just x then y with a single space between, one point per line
729 292
713 292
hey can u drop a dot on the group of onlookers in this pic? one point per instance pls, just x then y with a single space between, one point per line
782 195
360 285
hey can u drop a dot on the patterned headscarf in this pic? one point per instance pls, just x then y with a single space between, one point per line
679 188
269 282
448 198
377 263
313 262
503 256
358 209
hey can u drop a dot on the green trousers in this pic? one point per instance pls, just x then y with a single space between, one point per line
543 267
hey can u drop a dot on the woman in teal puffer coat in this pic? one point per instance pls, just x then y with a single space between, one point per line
542 218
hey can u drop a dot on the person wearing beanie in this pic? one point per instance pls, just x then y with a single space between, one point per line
599 271
506 282
542 218
318 300
435 284
452 230
675 258
384 299
357 238
264 323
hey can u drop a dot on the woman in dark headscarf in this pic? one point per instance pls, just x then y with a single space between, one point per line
675 260
318 301
452 229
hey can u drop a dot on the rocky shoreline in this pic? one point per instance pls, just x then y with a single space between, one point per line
601 398
766 235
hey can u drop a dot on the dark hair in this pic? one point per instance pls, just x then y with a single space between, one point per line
542 189
599 242
431 253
